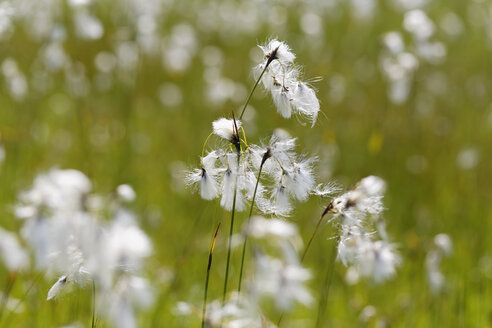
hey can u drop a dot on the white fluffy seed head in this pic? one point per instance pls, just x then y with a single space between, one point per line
282 99
57 288
305 101
281 205
228 191
208 186
226 128
278 50
299 181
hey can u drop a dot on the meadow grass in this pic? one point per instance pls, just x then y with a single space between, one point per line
126 135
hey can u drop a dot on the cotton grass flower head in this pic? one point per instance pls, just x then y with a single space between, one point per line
290 175
286 176
365 198
277 50
358 248
227 129
280 76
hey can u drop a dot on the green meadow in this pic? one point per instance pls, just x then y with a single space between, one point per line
130 99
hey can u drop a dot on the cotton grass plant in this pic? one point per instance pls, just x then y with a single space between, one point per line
270 178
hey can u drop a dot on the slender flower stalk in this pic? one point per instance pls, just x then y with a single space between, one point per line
212 245
264 159
229 247
236 142
328 208
253 90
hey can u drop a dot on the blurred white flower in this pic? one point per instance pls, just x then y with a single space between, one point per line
64 229
260 227
282 279
444 243
239 311
441 247
377 260
126 193
13 255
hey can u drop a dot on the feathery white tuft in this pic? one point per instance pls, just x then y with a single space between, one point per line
57 288
225 128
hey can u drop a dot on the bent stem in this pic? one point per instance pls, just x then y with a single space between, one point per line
246 235
212 245
253 90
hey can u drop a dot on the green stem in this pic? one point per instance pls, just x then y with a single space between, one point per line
229 248
312 237
252 91
246 235
212 245
230 233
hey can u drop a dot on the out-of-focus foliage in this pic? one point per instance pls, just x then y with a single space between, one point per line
125 91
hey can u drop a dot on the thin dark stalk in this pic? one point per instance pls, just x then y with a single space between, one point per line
246 235
93 324
326 288
327 209
311 239
212 245
253 90
238 148
229 247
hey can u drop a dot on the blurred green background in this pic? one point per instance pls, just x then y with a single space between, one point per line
126 91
